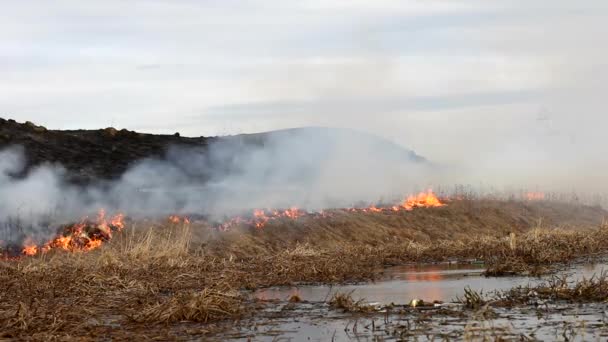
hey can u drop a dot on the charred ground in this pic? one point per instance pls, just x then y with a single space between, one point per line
106 154
88 154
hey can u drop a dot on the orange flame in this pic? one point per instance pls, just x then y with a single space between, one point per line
83 236
88 235
177 219
422 200
260 217
30 249
93 244
118 221
535 196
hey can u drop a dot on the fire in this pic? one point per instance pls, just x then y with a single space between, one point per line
426 199
93 244
30 250
422 200
374 209
91 234
29 247
118 221
177 219
83 236
60 242
260 217
535 196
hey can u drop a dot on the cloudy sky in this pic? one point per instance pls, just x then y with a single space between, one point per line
519 79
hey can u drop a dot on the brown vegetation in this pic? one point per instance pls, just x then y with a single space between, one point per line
169 274
561 288
346 303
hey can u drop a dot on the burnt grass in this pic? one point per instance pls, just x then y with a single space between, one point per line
156 275
102 155
88 155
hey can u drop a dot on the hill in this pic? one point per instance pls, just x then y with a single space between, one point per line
107 153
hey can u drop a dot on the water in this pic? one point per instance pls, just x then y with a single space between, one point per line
313 320
441 282
585 322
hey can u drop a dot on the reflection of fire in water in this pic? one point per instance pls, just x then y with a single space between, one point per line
432 274
83 236
270 294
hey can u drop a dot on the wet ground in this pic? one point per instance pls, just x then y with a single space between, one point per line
443 282
313 319
317 322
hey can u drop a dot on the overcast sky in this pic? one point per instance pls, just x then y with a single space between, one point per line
448 78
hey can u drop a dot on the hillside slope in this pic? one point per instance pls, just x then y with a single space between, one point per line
108 153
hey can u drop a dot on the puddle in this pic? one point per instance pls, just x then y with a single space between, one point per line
314 320
399 285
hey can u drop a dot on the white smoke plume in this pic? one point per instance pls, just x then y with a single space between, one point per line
311 169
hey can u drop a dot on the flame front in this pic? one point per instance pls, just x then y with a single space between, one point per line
30 250
91 234
422 200
260 217
535 196
175 219
83 236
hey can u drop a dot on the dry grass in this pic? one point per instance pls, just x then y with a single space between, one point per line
472 299
168 274
204 306
560 288
345 302
537 250
137 279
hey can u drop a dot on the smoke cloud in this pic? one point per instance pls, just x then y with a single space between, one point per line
312 169
504 95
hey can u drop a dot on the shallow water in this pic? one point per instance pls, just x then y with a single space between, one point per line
310 322
399 285
313 320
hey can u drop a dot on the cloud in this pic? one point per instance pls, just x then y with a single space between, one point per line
434 75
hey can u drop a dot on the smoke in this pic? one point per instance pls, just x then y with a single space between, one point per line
508 95
312 169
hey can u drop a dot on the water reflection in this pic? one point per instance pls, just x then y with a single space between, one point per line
400 285
284 293
443 282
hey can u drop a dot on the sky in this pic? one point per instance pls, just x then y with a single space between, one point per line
498 83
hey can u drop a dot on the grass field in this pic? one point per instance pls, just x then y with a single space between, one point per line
155 275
